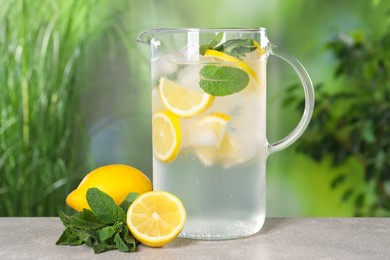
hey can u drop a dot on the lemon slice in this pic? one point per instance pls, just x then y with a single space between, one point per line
166 136
214 125
234 150
181 101
156 218
258 47
225 57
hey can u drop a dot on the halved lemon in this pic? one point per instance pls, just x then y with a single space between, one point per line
182 101
226 57
166 136
156 218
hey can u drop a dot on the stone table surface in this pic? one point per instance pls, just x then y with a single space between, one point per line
280 238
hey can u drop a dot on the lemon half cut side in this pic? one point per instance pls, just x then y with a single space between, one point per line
156 218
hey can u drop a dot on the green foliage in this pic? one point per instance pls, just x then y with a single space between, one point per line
354 121
43 153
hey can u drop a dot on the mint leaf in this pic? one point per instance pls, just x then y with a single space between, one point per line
84 235
130 240
68 237
214 42
120 243
106 233
82 220
234 47
128 200
222 80
100 248
237 47
104 207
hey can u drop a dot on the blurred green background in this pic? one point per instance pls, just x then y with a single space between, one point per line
75 93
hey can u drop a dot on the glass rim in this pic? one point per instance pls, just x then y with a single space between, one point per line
210 30
145 36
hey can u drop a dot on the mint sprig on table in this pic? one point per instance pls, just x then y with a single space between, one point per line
225 80
103 227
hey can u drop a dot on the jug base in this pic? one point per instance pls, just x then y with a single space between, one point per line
221 230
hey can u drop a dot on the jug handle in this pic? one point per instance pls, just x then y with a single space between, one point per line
309 99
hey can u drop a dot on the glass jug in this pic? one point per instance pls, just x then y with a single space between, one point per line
209 125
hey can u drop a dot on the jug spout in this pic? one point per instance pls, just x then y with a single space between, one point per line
146 37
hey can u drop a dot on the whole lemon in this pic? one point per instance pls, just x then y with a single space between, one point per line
117 180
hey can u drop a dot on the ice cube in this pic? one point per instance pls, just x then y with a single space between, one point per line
189 76
162 67
157 104
194 135
237 149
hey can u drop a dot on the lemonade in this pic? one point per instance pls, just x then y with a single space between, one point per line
209 124
210 146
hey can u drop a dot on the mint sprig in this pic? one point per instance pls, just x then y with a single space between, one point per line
234 47
103 227
210 46
237 47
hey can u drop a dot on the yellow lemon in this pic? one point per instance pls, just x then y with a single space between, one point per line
156 218
117 180
166 136
226 57
182 101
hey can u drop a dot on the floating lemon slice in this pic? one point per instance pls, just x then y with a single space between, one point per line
223 56
156 218
181 101
166 136
215 125
258 47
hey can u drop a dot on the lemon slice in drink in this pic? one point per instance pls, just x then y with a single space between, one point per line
181 101
258 48
156 218
226 57
213 125
166 136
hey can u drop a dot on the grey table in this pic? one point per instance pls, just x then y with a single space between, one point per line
280 238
